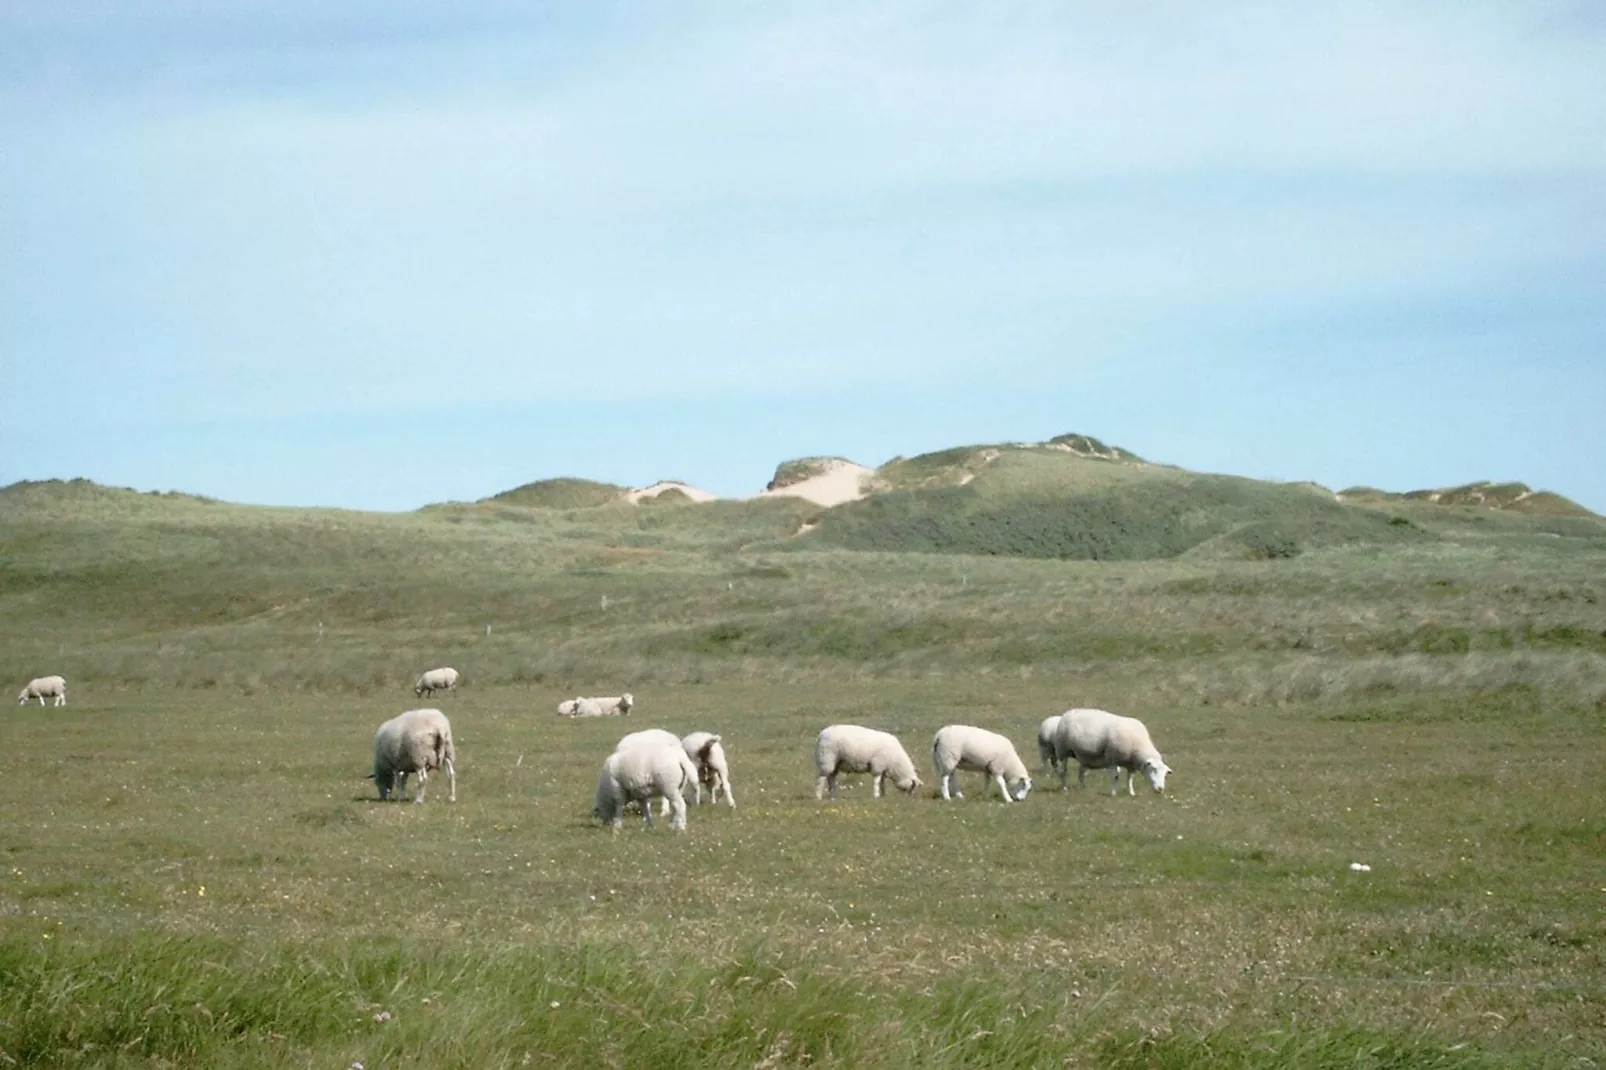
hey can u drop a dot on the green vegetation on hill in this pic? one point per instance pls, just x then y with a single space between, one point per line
1088 446
1506 497
560 494
1041 503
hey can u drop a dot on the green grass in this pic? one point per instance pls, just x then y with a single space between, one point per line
907 932
1430 703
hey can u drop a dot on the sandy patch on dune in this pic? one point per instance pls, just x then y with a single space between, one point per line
635 497
837 482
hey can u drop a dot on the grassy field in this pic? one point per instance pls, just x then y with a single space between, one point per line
194 872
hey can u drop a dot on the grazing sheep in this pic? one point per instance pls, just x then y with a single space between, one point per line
963 746
641 770
611 706
413 742
1100 740
646 735
848 748
658 736
705 750
53 687
436 680
1045 744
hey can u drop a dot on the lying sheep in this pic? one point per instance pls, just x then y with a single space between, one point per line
1045 743
413 742
640 770
704 749
611 706
444 679
1100 740
848 748
963 746
43 687
615 705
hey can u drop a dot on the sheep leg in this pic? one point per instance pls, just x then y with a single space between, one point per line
1131 788
423 782
1081 774
646 808
819 788
875 784
677 816
1115 780
1003 789
451 781
942 784
1065 772
729 798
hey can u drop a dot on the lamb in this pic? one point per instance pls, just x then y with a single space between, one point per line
610 706
1045 744
434 680
1101 740
642 768
963 746
43 687
413 742
705 751
847 748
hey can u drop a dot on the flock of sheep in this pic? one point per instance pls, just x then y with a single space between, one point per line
656 765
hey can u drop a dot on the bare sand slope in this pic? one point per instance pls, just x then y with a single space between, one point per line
640 494
837 482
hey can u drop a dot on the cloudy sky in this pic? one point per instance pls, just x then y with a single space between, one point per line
387 252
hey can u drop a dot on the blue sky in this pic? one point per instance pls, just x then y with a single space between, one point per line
379 254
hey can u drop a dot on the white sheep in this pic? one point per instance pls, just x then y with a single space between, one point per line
413 742
54 687
646 735
640 770
444 679
848 748
610 706
1045 743
963 746
615 705
706 751
1101 740
659 736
